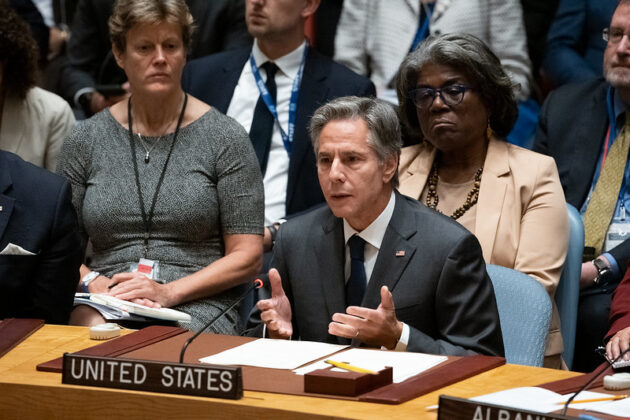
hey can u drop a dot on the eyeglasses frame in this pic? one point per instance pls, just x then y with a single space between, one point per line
606 36
438 91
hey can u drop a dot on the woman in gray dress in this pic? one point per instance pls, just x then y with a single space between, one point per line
165 187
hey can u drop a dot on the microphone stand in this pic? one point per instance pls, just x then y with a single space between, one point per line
586 385
257 284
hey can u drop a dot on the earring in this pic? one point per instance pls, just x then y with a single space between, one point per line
488 131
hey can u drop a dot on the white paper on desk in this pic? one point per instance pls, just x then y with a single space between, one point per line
275 354
535 399
404 364
619 408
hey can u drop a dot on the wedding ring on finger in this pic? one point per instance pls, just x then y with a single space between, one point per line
357 333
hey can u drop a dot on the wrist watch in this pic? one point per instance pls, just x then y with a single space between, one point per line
602 270
87 279
273 230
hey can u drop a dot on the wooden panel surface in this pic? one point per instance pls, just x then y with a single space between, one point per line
26 393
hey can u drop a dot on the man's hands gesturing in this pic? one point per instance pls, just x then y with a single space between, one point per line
377 327
276 311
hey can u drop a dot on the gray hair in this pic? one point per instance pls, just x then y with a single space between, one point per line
468 54
384 135
129 13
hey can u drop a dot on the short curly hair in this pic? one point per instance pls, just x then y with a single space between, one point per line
468 54
129 13
18 53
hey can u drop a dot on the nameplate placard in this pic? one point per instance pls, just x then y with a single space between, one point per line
453 408
145 375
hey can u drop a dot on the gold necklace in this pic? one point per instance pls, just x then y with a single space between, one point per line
471 199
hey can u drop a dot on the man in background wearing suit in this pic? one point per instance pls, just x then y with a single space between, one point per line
585 128
376 266
40 246
297 79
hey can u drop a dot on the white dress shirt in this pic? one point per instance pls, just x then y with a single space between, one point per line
373 237
242 108
45 8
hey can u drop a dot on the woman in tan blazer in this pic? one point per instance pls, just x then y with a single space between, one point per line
454 93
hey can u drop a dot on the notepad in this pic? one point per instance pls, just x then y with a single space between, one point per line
540 399
113 308
274 354
619 408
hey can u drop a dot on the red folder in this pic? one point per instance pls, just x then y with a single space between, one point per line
120 345
436 378
566 386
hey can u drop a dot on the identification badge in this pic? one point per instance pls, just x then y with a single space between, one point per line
617 233
149 268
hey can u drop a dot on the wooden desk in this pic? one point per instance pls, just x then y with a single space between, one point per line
26 393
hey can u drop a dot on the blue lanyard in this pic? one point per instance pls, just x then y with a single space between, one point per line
287 138
423 25
611 111
612 126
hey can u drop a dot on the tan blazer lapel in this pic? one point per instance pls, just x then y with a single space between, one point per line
415 165
12 129
491 195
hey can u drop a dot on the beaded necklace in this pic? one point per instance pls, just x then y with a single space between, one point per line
432 199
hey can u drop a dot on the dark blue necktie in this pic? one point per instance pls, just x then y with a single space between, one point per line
262 124
355 288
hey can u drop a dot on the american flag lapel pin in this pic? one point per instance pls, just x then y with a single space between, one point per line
400 253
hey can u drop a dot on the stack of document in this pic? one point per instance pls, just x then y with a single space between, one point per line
284 354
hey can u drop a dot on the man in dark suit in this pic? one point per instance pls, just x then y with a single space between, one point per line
575 46
408 278
579 127
40 247
220 27
303 78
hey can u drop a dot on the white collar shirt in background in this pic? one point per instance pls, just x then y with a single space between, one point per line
242 107
45 8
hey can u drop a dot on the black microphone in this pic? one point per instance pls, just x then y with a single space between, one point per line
586 385
256 284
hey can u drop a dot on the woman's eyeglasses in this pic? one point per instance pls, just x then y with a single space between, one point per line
451 95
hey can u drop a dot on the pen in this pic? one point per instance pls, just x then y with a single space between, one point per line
613 398
349 367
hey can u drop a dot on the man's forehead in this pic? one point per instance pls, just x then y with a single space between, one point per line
621 17
344 148
340 129
345 136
